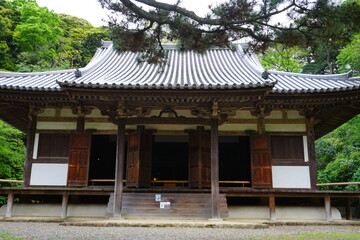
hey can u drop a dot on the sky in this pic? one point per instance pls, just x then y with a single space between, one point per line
91 9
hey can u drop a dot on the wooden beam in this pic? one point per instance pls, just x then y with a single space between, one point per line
327 201
310 133
29 150
80 124
348 212
64 205
119 169
272 207
9 206
167 120
215 170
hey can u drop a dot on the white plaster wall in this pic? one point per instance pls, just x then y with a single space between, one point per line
66 112
291 177
293 114
275 115
36 146
282 212
49 174
48 112
243 115
56 125
237 127
285 127
95 113
100 126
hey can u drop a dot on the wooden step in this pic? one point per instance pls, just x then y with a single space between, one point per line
182 206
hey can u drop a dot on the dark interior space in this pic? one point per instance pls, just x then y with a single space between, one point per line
103 157
170 158
234 158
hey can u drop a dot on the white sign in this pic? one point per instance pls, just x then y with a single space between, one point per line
164 204
157 197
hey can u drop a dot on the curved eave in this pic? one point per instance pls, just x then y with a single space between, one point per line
296 83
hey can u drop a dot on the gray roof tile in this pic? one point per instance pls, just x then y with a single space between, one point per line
216 69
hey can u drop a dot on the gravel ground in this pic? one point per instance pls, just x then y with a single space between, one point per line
31 230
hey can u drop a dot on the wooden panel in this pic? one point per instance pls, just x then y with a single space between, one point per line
287 148
261 161
199 159
53 145
139 159
79 159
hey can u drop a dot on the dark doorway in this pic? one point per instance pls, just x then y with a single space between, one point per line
170 158
234 158
103 157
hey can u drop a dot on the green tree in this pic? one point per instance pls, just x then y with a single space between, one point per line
338 154
6 31
282 58
36 36
349 57
321 26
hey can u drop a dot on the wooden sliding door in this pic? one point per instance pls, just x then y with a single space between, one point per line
139 159
199 159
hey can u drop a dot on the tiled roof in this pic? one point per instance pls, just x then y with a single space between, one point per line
216 69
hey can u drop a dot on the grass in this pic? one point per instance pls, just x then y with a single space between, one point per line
317 236
8 236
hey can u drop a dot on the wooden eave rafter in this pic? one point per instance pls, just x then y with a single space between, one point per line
179 97
40 98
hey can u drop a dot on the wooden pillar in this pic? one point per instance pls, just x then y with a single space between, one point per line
272 207
9 206
348 212
29 149
119 169
80 123
215 170
327 201
310 133
64 205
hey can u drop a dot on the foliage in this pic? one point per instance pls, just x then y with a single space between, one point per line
8 236
332 26
338 154
32 38
349 57
12 155
282 58
321 26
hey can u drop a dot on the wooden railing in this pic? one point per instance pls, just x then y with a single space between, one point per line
170 183
329 185
11 181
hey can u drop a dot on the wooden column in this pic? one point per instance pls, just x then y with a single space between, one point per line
119 169
310 133
327 201
80 124
215 170
9 206
272 207
64 205
348 212
29 149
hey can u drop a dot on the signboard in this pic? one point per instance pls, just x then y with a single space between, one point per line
165 204
157 197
